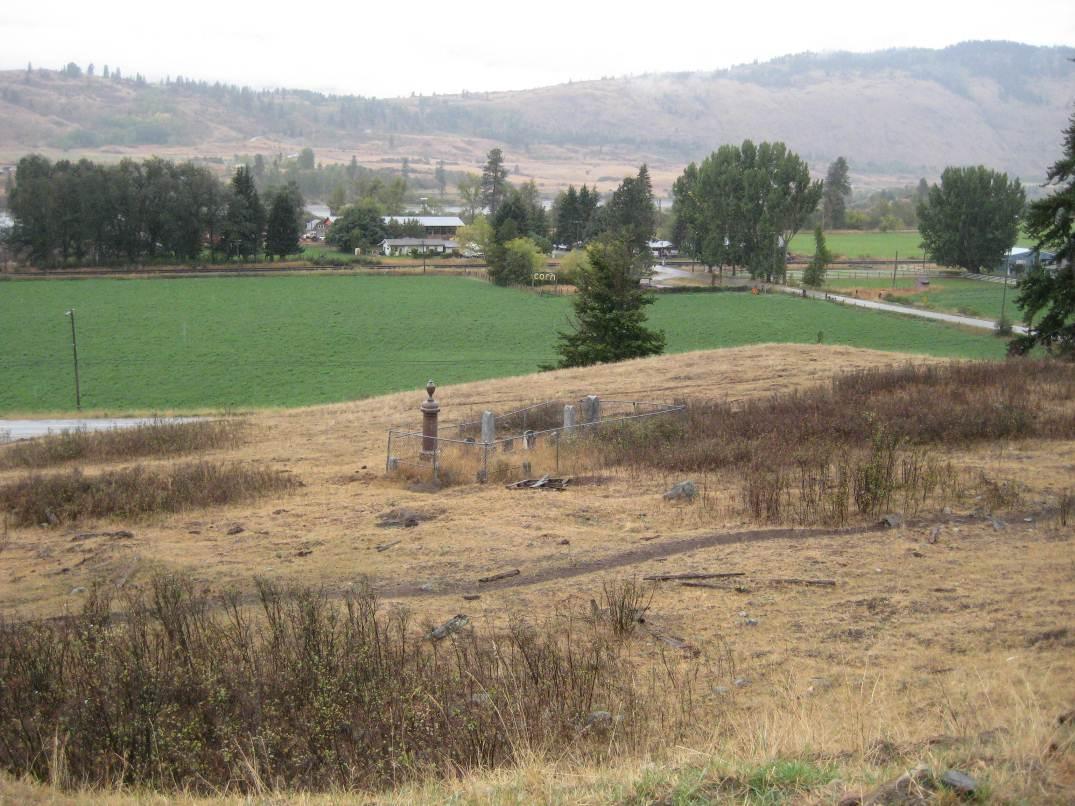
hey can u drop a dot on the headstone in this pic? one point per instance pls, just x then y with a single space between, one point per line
488 426
591 405
569 417
393 463
529 439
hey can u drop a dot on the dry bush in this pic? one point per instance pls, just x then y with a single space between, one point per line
862 444
185 691
135 492
158 438
627 601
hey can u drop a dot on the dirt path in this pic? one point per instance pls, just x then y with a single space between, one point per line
658 549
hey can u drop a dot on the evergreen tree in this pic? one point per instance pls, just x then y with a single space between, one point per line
972 218
837 188
568 217
631 214
814 275
244 220
306 159
105 73
589 202
1051 222
494 182
285 222
441 177
610 316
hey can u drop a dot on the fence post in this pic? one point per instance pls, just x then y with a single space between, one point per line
388 455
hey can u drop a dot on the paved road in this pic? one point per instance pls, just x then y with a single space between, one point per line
662 274
955 319
27 429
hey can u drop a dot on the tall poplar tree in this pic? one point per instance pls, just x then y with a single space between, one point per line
837 189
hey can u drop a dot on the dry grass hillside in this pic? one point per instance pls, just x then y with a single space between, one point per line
945 640
895 115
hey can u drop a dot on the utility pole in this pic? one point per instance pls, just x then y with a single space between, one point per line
895 264
74 352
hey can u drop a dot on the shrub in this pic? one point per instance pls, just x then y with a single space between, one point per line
135 492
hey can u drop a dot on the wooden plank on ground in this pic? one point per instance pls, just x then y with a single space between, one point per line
497 577
673 577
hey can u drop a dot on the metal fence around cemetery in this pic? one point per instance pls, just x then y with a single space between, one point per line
536 442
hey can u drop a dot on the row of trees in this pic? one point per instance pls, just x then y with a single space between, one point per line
137 211
516 233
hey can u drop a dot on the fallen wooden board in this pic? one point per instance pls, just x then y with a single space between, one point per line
821 583
387 546
497 577
673 641
544 483
824 583
672 577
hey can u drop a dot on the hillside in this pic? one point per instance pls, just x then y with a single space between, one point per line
944 640
896 113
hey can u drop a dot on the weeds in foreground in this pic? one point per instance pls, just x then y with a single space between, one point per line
198 692
157 438
135 492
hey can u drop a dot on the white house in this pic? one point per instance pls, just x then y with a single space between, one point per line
405 246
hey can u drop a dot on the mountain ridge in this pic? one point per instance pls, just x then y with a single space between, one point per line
901 111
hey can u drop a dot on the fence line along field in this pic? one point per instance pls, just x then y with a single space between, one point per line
191 344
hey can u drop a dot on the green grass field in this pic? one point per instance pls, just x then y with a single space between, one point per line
951 295
853 244
190 344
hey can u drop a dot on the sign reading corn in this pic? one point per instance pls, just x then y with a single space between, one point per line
544 277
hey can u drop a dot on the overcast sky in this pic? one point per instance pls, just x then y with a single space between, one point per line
394 48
